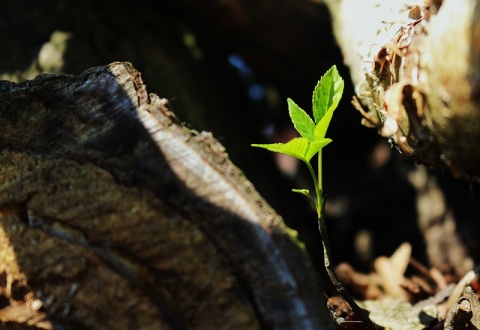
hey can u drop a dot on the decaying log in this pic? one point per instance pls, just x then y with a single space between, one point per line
113 215
416 67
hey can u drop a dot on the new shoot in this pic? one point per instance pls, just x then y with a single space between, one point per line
312 140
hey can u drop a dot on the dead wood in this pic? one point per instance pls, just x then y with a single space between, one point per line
182 51
415 65
114 215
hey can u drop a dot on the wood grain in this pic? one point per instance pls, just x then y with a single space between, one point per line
114 215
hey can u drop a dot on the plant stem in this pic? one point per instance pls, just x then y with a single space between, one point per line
322 228
318 192
320 179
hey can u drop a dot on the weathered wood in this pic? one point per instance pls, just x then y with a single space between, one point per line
415 64
114 215
182 51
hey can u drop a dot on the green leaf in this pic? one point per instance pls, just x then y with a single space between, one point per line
322 126
301 121
327 94
296 147
305 192
315 146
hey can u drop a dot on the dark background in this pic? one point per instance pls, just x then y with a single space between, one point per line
228 67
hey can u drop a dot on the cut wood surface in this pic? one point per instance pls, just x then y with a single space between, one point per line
116 216
416 67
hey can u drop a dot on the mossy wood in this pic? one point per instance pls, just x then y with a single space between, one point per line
113 215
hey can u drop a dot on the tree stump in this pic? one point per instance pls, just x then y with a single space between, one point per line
116 216
416 67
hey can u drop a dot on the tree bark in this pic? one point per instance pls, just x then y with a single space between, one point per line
416 68
182 51
114 215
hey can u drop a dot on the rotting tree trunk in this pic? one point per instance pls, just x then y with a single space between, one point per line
416 65
114 215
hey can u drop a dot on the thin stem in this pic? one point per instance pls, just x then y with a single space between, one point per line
318 192
320 177
322 228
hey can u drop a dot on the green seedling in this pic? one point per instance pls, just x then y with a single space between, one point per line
312 140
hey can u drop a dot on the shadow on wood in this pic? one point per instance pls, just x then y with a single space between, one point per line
114 215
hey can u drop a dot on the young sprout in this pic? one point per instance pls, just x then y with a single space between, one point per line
312 140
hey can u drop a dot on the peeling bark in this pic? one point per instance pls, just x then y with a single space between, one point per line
114 215
416 66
